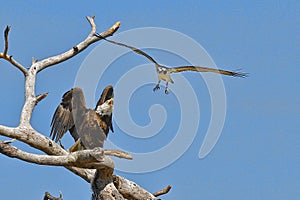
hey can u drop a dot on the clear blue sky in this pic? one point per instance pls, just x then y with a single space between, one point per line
257 155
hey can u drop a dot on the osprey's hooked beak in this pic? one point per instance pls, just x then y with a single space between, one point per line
106 108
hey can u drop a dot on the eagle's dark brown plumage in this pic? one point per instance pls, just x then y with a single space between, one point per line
90 126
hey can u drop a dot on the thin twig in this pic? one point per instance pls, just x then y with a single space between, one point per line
6 40
48 196
33 60
9 58
118 153
41 97
163 191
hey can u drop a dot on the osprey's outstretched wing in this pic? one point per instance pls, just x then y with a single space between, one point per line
71 108
206 69
136 50
107 94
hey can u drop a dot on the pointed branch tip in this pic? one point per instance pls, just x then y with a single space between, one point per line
163 191
118 153
41 97
6 39
114 28
7 29
33 60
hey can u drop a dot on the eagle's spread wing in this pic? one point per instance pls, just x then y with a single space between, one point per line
138 51
206 69
107 94
90 131
67 113
86 124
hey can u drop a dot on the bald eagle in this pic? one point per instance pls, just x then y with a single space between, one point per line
164 73
88 127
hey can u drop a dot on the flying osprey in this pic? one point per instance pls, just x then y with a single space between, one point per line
88 127
164 73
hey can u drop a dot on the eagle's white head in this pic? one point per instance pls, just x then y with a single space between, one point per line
106 108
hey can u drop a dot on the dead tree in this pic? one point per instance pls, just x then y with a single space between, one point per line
94 166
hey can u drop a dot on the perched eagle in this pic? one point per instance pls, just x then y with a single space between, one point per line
164 73
88 127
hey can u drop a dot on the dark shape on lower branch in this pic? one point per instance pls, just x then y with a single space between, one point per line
88 127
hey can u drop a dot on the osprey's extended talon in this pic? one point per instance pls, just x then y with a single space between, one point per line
167 91
156 88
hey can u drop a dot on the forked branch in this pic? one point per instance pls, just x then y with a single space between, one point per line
38 141
90 159
40 65
9 58
81 163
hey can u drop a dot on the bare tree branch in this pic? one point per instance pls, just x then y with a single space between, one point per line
41 97
82 163
118 153
102 185
6 40
37 66
91 159
8 57
48 196
33 60
163 191
43 143
40 65
109 192
33 138
131 190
